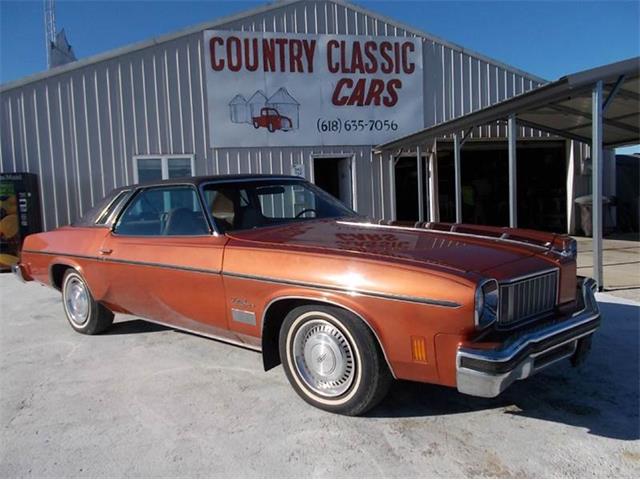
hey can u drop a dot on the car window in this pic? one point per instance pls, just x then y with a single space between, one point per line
101 213
108 214
245 205
163 211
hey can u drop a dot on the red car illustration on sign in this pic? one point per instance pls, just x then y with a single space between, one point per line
271 119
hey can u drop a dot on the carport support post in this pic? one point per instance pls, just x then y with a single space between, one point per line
596 179
420 185
434 203
512 135
457 177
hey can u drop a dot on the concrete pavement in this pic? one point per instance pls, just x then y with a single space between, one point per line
621 260
148 401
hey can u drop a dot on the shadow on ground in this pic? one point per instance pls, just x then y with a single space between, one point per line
134 326
602 396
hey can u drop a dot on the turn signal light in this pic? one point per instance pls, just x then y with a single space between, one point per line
418 349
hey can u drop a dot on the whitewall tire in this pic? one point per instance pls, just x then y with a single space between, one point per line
333 360
84 314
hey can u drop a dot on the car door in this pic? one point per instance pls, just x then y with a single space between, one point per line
162 262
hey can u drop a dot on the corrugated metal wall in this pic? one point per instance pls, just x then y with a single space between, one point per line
80 129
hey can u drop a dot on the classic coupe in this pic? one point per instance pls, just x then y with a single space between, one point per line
344 303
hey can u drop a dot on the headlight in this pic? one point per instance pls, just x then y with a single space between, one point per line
486 311
570 248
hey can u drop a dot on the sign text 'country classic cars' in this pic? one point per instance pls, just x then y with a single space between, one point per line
258 87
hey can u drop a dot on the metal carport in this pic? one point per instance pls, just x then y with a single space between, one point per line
600 107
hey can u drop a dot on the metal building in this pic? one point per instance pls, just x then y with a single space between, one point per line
143 111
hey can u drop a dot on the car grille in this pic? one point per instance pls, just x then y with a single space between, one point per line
528 298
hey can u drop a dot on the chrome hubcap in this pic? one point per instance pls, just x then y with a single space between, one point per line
323 358
77 301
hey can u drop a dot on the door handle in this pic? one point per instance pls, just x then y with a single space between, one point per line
105 251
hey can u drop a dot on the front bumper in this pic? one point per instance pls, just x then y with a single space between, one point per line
487 373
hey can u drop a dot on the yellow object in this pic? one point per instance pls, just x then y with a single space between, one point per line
9 205
418 349
9 226
7 260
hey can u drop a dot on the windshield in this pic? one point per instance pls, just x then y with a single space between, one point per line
252 204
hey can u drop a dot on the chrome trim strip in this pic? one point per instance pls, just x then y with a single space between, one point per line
330 302
229 341
243 316
529 275
386 296
416 229
160 265
129 262
54 254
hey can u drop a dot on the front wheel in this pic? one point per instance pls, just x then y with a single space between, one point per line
332 360
84 314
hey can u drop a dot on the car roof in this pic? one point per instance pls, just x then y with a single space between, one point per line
197 181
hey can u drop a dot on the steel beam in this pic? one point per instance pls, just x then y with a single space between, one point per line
596 178
580 113
434 207
555 131
612 94
512 135
420 184
457 176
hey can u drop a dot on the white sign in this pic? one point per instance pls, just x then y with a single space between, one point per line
278 89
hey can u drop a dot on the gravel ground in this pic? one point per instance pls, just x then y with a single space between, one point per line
149 401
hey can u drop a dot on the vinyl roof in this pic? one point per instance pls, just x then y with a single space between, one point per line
562 108
239 178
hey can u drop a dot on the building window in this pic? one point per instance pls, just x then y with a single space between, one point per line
149 168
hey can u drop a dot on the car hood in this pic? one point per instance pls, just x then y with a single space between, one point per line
462 252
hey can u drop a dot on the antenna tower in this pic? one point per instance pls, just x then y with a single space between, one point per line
49 27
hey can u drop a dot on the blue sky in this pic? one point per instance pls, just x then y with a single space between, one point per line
547 38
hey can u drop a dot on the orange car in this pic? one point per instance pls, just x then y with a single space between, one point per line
274 264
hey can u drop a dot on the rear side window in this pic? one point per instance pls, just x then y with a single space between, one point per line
163 211
108 214
103 212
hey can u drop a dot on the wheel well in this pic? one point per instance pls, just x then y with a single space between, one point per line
56 274
273 319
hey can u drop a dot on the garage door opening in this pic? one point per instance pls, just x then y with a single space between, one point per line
541 184
406 186
334 175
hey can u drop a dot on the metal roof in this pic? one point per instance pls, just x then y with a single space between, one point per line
562 107
224 21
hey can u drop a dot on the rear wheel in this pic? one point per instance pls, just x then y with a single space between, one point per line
83 313
332 359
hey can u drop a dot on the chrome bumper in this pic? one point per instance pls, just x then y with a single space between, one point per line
487 373
18 271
